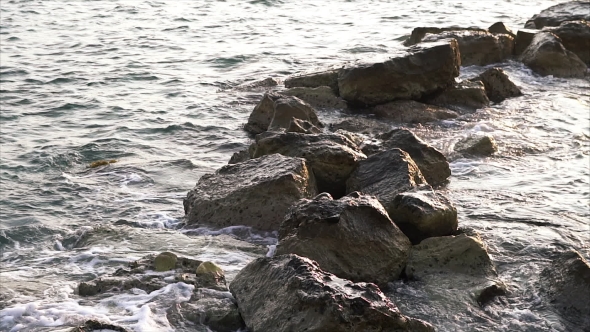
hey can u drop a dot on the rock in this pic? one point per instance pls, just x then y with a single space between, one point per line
477 145
567 11
424 214
239 156
165 261
262 114
385 175
302 126
498 85
96 325
409 111
314 80
425 69
575 36
286 108
432 163
211 275
547 56
490 292
332 157
363 125
418 34
464 97
322 96
336 234
291 293
254 193
356 139
501 28
477 47
566 285
266 83
523 39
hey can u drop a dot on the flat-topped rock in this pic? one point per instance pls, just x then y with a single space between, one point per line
320 97
523 39
419 33
567 11
315 80
477 145
410 111
546 55
464 97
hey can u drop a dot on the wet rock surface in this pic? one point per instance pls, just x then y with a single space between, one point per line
567 11
291 293
286 108
363 125
320 97
477 145
501 28
419 33
96 325
314 80
498 85
302 126
352 237
575 36
523 39
410 111
257 192
547 56
464 97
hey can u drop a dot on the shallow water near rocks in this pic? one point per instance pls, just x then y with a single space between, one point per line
150 84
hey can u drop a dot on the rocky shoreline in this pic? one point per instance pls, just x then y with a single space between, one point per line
356 206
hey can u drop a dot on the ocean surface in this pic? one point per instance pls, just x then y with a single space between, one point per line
155 85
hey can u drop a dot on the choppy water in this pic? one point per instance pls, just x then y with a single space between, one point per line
148 83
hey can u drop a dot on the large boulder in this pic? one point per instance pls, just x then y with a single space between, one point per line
575 36
291 293
262 114
352 237
255 193
385 175
477 47
424 70
567 11
432 163
498 85
547 56
464 97
424 214
410 111
477 145
501 28
419 33
523 39
331 156
274 111
314 80
322 96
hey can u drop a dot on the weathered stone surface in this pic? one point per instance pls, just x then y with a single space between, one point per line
321 97
291 293
567 11
262 114
566 285
332 157
255 193
432 163
286 108
211 276
501 28
547 56
477 145
575 36
314 80
424 70
239 156
165 261
409 111
523 39
263 84
352 237
385 175
498 85
302 126
477 47
96 325
363 125
419 33
424 214
464 97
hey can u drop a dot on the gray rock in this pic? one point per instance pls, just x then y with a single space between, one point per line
302 126
255 193
432 163
567 11
477 47
547 56
464 97
321 97
335 234
291 293
385 175
424 214
498 85
419 33
332 157
501 28
424 70
286 108
477 145
575 36
239 156
409 111
314 80
523 39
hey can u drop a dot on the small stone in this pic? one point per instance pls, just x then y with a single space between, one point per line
165 261
479 145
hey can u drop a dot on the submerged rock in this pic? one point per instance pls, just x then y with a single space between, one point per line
314 80
322 96
291 293
567 11
498 85
255 193
464 97
547 56
425 69
409 111
477 145
575 36
337 233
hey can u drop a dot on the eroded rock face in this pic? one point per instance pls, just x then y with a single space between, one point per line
96 325
239 156
523 39
367 126
321 97
291 293
501 28
302 126
575 36
262 114
464 97
331 156
409 111
432 163
425 69
477 145
275 111
385 175
424 214
256 193
352 237
547 56
498 85
567 11
314 80
419 33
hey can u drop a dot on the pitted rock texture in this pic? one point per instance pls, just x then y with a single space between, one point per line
498 85
302 126
547 56
477 145
320 97
410 111
464 97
